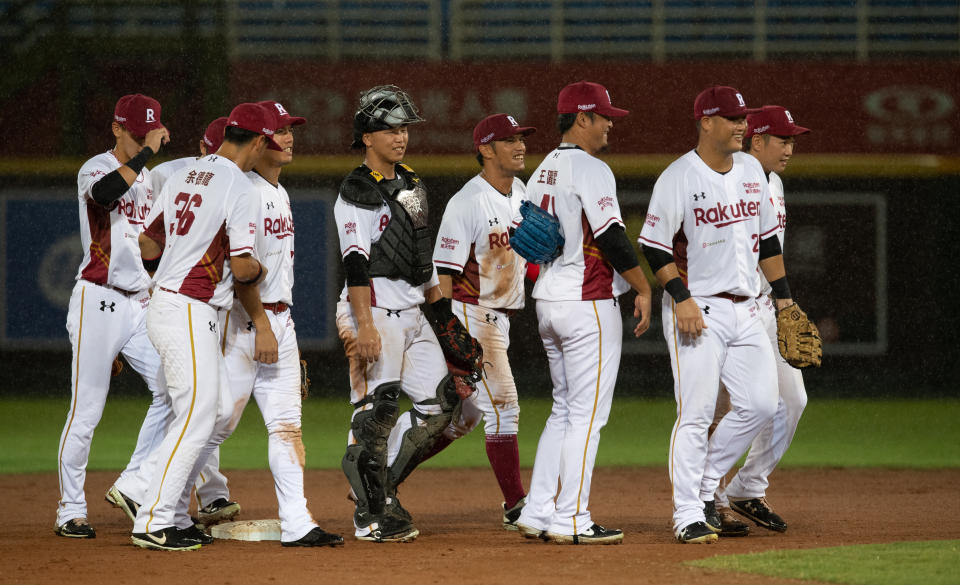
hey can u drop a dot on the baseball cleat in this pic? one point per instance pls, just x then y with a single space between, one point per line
118 499
317 537
194 532
76 528
220 510
402 536
510 516
730 524
171 538
759 511
596 534
697 533
712 518
529 531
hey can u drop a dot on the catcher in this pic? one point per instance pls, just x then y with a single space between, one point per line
385 243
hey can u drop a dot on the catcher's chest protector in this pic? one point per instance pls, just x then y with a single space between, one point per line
405 248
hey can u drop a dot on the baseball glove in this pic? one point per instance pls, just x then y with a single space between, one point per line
538 237
464 353
304 380
798 339
116 367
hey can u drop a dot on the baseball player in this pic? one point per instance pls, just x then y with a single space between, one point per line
387 250
579 317
204 216
128 491
276 386
770 138
109 302
484 277
710 224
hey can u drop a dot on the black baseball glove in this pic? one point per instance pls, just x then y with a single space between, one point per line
464 353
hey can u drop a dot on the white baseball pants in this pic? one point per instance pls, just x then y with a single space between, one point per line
734 350
583 341
103 322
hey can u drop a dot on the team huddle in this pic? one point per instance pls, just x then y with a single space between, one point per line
188 273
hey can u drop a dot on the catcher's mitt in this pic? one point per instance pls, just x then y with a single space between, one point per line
304 380
464 353
798 339
538 237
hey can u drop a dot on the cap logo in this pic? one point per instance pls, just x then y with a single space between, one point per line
789 117
761 129
512 121
607 91
487 138
280 109
150 117
743 104
267 131
586 106
711 111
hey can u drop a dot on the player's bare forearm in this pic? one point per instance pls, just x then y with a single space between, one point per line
149 248
265 343
435 293
689 318
446 285
773 269
247 270
368 338
642 303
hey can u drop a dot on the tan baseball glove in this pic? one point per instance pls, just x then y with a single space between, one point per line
798 338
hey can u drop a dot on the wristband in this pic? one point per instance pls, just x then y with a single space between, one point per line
781 289
255 278
677 290
137 163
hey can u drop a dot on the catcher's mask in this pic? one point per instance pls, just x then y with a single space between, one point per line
381 108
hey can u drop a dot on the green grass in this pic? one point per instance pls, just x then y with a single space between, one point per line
899 563
844 433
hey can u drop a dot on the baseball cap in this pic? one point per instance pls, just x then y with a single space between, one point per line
775 120
283 117
498 127
255 118
213 136
721 100
584 96
138 113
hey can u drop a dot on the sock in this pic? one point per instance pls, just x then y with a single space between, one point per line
504 455
442 443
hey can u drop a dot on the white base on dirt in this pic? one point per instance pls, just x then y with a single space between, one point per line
247 530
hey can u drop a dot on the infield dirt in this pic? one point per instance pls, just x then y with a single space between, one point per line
461 542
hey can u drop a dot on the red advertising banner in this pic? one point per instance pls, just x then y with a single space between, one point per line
898 107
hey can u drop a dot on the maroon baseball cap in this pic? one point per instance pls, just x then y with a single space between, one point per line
283 117
584 96
213 136
498 127
255 118
775 120
721 100
138 113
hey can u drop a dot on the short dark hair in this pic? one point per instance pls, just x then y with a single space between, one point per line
748 143
480 158
566 121
238 136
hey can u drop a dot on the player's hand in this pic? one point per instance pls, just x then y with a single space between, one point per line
689 318
783 303
265 346
641 310
368 343
156 138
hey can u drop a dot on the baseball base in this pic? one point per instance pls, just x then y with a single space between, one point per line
247 530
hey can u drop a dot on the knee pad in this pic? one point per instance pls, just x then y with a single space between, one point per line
416 444
365 462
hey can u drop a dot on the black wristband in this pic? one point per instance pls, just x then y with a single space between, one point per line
781 289
255 278
677 290
151 264
137 163
442 310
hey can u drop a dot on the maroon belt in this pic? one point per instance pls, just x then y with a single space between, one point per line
168 290
276 307
128 293
734 298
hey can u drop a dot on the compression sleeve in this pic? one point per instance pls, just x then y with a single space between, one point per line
617 248
448 271
770 247
357 268
112 186
656 257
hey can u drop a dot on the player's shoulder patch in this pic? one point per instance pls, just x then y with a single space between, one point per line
361 187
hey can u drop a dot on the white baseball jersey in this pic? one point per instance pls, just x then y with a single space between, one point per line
274 242
712 223
160 173
203 215
474 240
586 204
111 253
359 228
776 197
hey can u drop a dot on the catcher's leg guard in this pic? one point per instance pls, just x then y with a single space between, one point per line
418 441
365 462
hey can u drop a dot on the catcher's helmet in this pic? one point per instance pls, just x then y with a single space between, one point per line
381 108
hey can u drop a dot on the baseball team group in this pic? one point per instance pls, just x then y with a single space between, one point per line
188 274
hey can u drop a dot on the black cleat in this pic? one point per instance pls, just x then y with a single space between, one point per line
118 499
217 511
697 533
317 537
171 538
759 511
511 516
196 533
76 528
596 534
712 518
